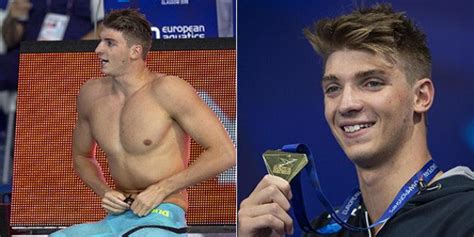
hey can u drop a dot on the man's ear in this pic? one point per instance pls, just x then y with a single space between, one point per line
136 51
424 95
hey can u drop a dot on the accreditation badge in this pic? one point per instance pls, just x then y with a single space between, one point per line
54 26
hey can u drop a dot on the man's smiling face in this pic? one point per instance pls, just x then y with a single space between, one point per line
369 105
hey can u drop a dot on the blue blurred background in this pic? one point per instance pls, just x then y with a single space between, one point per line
280 100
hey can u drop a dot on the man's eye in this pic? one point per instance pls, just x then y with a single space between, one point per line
373 84
331 89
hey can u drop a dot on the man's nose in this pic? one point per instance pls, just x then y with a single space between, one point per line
350 102
98 49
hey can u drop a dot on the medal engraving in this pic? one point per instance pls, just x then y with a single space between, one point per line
284 164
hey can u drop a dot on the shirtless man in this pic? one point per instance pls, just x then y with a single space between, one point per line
143 121
377 91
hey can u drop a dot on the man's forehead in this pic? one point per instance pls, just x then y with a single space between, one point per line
356 63
110 33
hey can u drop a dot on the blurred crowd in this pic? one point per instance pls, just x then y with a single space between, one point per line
31 20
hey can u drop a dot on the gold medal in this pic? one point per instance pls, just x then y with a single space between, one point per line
284 164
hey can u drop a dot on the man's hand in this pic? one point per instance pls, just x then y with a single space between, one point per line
19 9
113 202
12 31
148 199
264 212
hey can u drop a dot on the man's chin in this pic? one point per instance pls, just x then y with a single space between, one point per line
363 158
105 72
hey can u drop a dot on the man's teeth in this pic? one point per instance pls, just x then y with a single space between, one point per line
355 128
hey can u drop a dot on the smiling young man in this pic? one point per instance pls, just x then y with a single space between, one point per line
377 91
143 121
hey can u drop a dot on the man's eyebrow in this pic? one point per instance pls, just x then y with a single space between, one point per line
369 73
109 39
328 78
358 75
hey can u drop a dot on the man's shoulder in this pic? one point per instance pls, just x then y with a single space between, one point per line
164 81
444 209
457 190
90 91
94 87
452 188
170 87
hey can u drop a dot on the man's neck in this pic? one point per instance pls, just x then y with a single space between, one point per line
132 80
379 185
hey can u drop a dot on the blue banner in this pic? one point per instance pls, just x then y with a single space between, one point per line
176 19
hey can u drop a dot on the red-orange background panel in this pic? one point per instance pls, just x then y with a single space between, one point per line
46 191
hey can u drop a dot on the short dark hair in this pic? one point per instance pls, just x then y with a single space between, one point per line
133 25
378 30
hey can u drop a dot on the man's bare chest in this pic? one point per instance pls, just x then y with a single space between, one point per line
134 126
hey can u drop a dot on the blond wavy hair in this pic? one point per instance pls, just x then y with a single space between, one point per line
378 30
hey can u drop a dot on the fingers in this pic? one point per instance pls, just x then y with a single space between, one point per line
20 9
269 194
140 208
145 202
272 180
271 189
21 5
264 212
113 202
261 217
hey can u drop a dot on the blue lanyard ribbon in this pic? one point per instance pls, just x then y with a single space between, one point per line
340 217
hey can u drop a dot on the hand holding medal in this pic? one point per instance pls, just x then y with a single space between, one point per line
292 158
285 165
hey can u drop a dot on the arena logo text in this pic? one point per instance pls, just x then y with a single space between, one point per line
179 32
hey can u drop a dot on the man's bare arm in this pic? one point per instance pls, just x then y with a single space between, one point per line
85 164
12 29
200 122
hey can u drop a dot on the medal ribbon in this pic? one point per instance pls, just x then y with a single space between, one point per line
340 217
